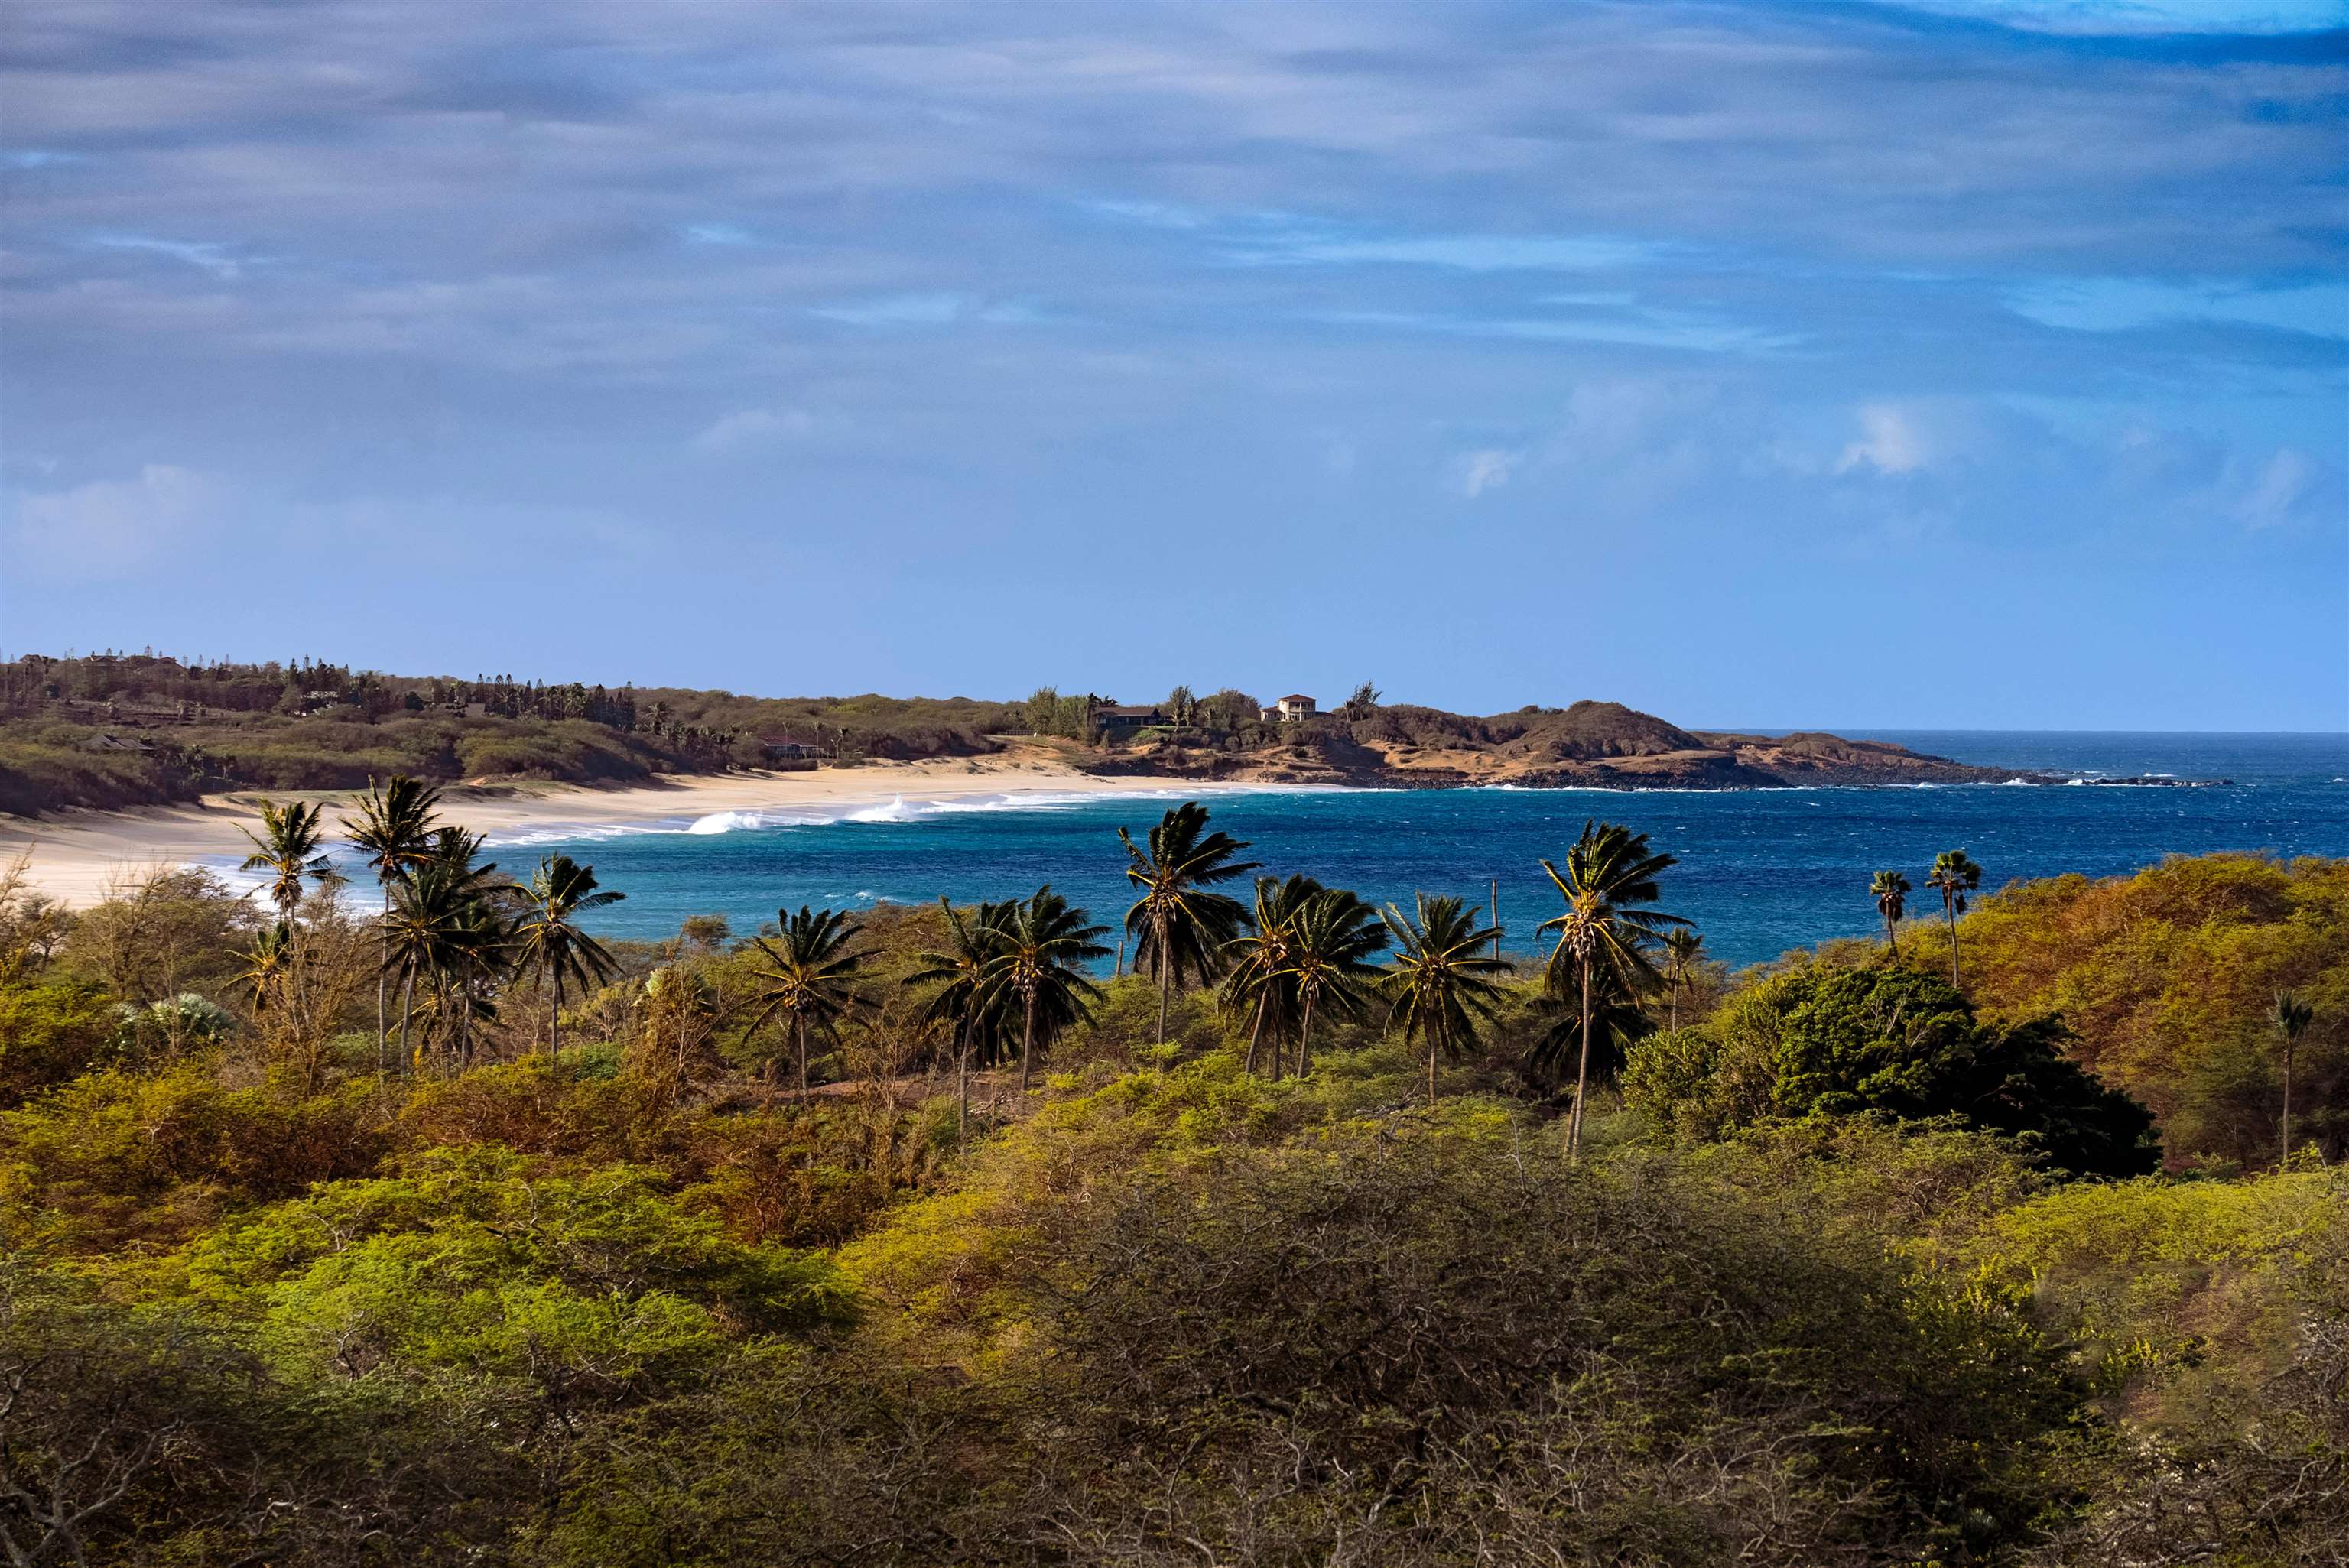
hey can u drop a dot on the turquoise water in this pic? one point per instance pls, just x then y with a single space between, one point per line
1760 871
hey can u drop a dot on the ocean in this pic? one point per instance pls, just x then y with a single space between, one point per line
1759 872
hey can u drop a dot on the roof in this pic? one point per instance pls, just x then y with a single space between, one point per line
1128 711
1296 696
785 740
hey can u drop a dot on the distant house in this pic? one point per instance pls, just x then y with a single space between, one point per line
789 748
1118 722
1290 710
117 743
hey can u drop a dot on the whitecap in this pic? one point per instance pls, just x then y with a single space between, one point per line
729 821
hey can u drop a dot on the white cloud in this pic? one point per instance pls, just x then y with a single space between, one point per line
2122 304
1890 442
897 310
2277 489
212 257
115 528
1486 469
747 428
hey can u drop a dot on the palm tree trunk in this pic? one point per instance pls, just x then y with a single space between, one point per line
383 949
407 1012
1892 937
1165 990
798 1029
1256 1032
2286 1159
554 1030
1581 1072
1027 1040
962 1090
1431 1068
1949 909
1305 1038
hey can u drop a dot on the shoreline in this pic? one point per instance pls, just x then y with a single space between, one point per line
81 856
77 856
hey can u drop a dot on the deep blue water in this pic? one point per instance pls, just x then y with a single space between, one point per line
1759 872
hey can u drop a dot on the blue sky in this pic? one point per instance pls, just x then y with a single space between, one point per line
1977 364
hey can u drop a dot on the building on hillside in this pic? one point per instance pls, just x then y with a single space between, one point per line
1116 723
1290 710
789 748
117 743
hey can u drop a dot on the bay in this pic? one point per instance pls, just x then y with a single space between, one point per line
1761 872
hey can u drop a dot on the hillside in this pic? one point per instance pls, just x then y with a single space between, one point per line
107 731
1603 745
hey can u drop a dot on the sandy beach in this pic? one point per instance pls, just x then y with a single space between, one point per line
75 856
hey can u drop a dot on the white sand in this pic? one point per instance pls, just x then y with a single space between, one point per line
76 855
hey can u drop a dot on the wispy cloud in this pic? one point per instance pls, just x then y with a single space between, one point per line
1630 326
897 310
1485 470
210 255
2118 305
754 428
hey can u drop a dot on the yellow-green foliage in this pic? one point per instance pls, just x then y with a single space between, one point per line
119 1161
944 1261
484 1262
2167 977
50 1032
2168 1275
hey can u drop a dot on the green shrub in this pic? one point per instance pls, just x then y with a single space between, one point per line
1822 1040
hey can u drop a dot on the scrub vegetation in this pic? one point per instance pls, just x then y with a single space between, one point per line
410 1223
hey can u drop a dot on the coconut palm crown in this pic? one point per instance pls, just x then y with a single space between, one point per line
1180 926
1890 890
1258 984
547 941
963 1001
1953 876
810 976
394 831
1609 881
1037 952
1330 946
288 849
1439 984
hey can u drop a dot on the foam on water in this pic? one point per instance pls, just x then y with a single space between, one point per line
1759 871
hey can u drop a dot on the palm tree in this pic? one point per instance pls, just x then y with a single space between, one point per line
393 830
2291 1018
1617 1021
1610 873
439 924
265 964
1438 986
811 976
964 1001
1953 876
1257 979
1330 946
1177 924
547 940
1683 951
1036 953
287 848
1890 890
